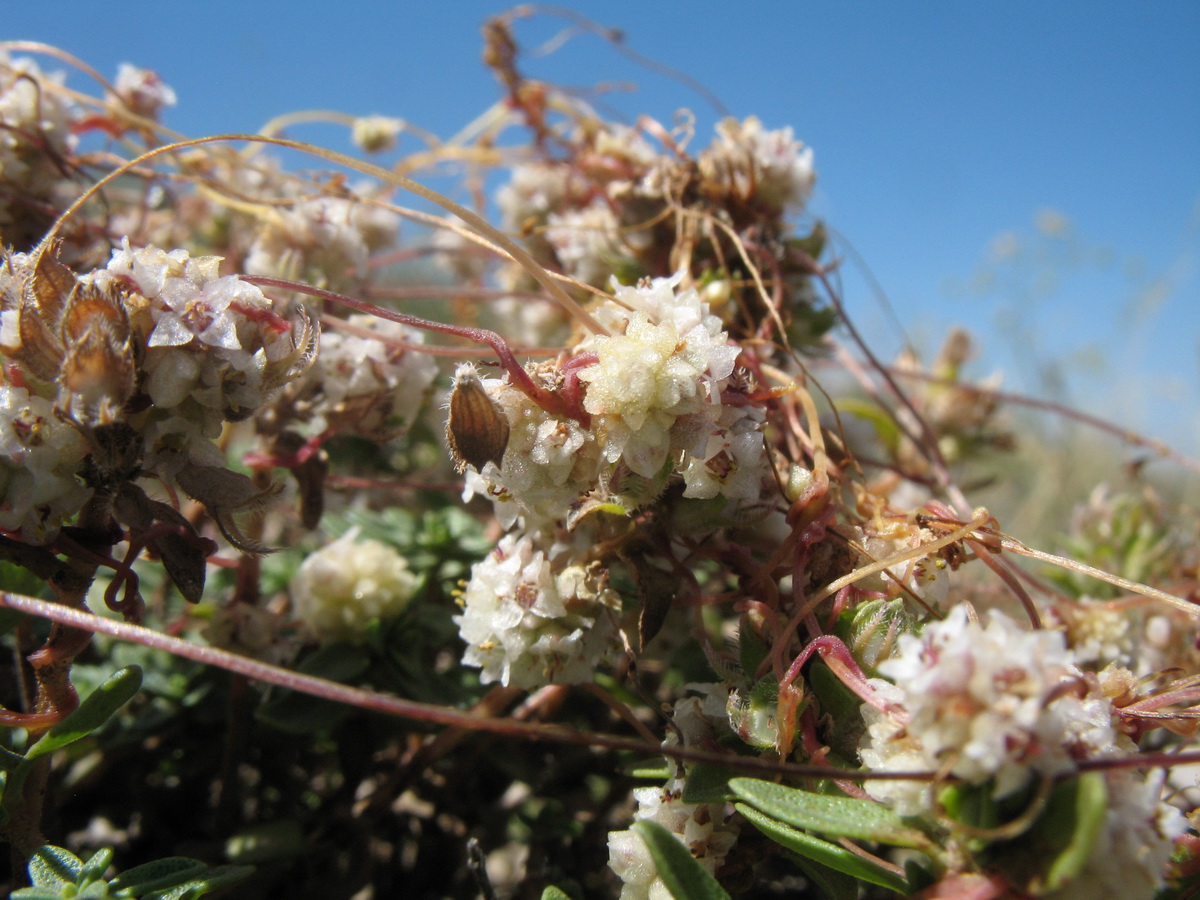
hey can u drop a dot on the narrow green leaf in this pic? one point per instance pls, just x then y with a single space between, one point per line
34 893
156 875
1074 816
555 893
94 868
54 867
685 878
212 880
850 817
96 709
838 858
9 760
706 783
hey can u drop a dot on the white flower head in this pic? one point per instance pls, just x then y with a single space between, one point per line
348 583
533 617
984 702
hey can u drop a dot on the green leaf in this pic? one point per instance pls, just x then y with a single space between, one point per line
96 709
706 783
836 816
54 867
94 868
1074 816
35 893
835 857
685 878
157 875
555 893
212 880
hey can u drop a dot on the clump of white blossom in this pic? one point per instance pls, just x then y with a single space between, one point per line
982 702
142 91
214 349
655 395
998 704
341 588
751 161
654 391
322 240
157 348
535 616
708 830
39 455
367 380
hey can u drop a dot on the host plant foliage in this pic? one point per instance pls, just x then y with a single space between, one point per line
596 482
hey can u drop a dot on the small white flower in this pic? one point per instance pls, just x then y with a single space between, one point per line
376 134
142 90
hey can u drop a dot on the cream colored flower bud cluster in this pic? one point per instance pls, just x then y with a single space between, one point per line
349 582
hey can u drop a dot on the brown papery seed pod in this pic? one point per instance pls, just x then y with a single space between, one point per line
476 429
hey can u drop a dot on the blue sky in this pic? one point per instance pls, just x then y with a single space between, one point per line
938 129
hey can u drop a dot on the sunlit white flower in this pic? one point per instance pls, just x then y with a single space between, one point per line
984 702
347 584
533 617
376 134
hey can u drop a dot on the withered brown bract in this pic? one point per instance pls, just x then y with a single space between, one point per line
476 429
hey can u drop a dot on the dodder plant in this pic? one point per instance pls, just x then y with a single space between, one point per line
671 540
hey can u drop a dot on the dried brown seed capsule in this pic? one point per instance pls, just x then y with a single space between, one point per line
476 429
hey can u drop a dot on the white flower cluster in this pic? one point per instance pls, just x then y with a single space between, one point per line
706 829
323 240
982 702
342 587
1000 703
654 394
533 617
142 91
653 389
157 347
39 455
751 162
214 352
365 381
1134 844
35 136
590 218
